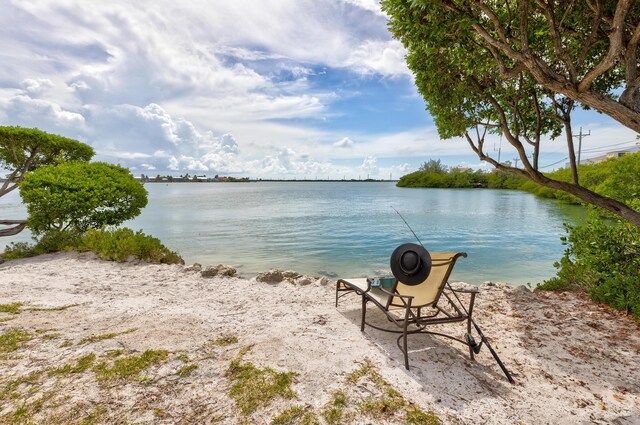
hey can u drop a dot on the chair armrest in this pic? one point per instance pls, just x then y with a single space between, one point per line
357 289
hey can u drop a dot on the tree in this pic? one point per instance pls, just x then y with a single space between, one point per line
518 68
25 149
76 196
433 166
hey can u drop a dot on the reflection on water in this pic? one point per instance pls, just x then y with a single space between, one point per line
350 228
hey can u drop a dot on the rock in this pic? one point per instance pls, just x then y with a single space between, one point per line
522 289
210 271
195 268
303 281
290 274
220 269
323 281
227 270
488 283
272 276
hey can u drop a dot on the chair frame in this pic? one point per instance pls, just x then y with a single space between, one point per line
413 320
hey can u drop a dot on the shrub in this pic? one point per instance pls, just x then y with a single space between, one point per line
77 196
120 244
113 245
51 241
603 258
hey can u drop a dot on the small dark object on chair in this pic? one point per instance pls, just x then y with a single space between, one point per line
411 264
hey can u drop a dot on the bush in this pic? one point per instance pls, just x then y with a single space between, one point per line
113 245
77 196
603 258
52 241
120 244
18 250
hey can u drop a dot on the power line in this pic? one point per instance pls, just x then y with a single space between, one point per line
558 162
608 148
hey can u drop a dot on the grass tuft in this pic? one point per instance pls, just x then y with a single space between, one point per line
186 370
51 336
253 387
81 365
13 308
130 367
10 387
295 415
96 338
13 339
183 357
415 416
225 340
387 403
333 411
61 308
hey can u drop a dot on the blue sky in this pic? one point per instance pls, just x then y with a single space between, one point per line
278 89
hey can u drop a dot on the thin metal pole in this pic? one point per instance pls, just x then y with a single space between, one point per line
580 137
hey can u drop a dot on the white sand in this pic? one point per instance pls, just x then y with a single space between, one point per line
574 361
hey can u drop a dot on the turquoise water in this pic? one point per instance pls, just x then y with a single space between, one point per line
350 229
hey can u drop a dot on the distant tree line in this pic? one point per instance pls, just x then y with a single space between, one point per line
192 179
619 178
434 174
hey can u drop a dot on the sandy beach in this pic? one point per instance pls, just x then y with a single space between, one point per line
574 361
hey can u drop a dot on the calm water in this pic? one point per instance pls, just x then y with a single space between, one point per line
349 229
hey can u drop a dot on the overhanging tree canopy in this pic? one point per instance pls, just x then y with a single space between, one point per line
517 68
25 149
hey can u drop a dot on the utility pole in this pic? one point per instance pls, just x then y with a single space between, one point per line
580 137
516 160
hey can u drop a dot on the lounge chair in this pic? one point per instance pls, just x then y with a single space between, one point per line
412 308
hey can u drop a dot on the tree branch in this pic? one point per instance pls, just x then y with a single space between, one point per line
615 47
556 37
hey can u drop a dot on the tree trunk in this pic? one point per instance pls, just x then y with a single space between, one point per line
20 225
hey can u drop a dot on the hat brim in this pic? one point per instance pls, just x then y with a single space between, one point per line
421 272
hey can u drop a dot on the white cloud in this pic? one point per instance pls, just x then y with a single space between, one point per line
36 87
345 142
370 166
21 108
385 57
370 5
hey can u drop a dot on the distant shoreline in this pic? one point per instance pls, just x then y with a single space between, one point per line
274 180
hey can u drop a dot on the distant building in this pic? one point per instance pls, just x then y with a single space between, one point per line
604 157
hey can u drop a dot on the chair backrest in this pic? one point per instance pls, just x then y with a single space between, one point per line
428 292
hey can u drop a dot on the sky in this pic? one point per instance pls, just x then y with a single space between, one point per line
291 89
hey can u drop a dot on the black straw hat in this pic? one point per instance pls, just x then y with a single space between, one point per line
410 264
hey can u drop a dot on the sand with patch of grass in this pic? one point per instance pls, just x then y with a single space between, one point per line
104 342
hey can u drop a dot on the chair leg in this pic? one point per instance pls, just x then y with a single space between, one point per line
364 312
404 345
337 292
